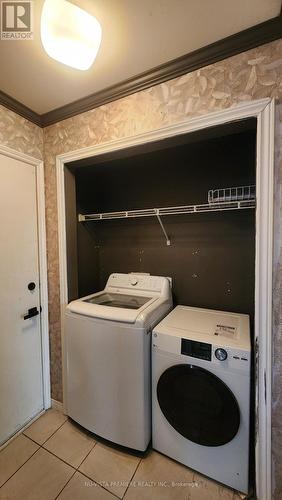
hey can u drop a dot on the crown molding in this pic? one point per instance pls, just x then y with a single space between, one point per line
19 108
250 38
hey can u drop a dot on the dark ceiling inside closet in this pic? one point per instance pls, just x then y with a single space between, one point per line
211 257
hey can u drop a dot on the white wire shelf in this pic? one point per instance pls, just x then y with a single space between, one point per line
219 200
239 193
184 209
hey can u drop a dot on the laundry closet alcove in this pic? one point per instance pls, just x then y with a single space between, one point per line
215 258
211 258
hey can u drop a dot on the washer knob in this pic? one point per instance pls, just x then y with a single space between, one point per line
221 354
133 280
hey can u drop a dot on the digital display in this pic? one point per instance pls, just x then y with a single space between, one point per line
195 349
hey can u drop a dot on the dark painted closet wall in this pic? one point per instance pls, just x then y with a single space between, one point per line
211 257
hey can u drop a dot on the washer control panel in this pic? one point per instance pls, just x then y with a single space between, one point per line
138 281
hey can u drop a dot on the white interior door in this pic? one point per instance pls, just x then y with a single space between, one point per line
21 387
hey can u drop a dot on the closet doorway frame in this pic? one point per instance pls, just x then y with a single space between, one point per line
264 111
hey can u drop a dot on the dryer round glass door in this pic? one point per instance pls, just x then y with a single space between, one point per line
198 405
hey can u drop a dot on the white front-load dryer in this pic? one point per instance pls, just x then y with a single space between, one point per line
201 392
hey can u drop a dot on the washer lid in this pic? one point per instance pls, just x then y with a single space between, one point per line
118 300
113 306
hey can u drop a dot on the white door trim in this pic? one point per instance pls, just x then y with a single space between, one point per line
264 295
263 111
6 151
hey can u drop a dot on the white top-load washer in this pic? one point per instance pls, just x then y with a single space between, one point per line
107 357
201 392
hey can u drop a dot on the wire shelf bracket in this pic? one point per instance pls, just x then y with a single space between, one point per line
163 228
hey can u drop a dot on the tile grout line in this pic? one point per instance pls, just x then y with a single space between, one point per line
44 449
83 460
85 475
61 459
21 466
196 474
74 472
54 432
98 484
101 486
65 462
32 440
76 469
82 473
41 444
132 477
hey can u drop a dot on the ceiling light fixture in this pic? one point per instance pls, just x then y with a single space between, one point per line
69 34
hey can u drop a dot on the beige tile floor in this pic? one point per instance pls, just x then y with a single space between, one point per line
56 459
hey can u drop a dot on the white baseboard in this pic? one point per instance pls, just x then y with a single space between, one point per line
57 405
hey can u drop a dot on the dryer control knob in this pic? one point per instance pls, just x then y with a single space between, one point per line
133 280
221 354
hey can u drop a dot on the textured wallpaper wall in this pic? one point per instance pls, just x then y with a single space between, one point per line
251 75
20 134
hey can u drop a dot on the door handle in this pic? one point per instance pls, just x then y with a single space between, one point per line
31 313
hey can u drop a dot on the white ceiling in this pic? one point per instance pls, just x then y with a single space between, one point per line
137 35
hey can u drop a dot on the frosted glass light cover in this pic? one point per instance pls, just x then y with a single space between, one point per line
69 34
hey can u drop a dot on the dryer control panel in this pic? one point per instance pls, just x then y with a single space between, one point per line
225 357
